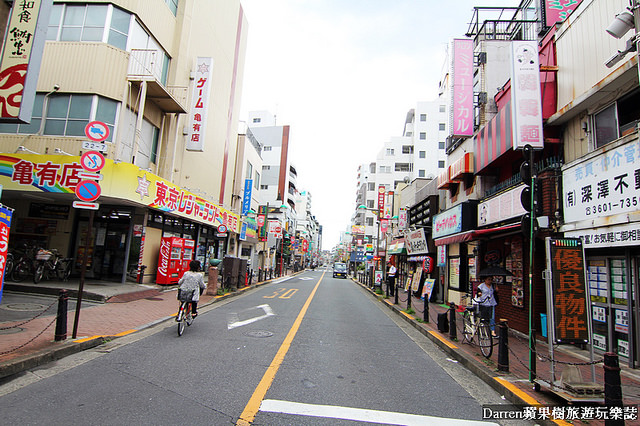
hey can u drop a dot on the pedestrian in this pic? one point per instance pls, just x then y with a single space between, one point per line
193 280
488 301
391 279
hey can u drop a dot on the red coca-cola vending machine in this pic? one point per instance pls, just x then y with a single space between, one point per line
187 254
170 260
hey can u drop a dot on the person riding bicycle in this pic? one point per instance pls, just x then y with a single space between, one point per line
191 281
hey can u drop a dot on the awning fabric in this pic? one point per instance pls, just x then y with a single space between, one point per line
472 235
397 247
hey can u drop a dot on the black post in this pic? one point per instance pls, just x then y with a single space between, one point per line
612 385
503 347
387 287
409 295
426 308
453 332
395 294
141 276
83 272
61 319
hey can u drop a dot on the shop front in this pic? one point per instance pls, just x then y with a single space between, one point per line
134 211
601 199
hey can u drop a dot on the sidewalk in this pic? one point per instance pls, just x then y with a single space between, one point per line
132 307
514 384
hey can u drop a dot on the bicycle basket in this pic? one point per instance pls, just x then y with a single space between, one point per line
44 255
185 296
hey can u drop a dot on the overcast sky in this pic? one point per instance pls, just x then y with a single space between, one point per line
343 74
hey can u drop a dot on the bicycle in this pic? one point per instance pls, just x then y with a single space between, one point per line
184 312
24 266
50 264
475 324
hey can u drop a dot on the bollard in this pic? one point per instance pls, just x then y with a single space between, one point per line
425 315
612 385
503 347
250 276
61 319
141 275
387 288
453 332
395 295
409 295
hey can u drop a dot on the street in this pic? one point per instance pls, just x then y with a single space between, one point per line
308 349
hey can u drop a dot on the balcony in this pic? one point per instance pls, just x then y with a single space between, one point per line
501 23
146 65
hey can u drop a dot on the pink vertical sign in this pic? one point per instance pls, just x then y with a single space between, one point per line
462 96
559 10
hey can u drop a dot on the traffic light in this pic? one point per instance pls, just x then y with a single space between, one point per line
528 195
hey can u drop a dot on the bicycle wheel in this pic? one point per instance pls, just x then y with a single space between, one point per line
467 327
63 270
8 266
485 339
21 271
183 313
37 275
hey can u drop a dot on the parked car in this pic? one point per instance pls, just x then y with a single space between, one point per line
339 270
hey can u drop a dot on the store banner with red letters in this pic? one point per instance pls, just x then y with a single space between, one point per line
5 225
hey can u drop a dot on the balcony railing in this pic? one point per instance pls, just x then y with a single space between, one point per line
501 23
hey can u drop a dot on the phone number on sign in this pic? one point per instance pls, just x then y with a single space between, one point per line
609 207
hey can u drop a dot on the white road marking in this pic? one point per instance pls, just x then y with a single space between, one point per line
306 278
361 415
234 320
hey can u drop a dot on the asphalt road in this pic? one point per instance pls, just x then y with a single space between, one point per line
309 350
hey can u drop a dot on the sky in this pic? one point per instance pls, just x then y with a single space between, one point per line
343 74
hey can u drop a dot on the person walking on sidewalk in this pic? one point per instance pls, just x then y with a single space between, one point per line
391 279
192 280
488 301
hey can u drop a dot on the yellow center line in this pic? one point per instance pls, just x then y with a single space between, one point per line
253 406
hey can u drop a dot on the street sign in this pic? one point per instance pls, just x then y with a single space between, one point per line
94 146
88 190
222 229
88 175
82 205
97 131
92 161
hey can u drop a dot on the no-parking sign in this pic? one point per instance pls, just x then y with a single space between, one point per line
97 131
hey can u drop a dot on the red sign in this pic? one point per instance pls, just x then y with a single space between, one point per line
5 224
305 245
381 198
384 224
222 229
88 190
97 131
427 264
92 161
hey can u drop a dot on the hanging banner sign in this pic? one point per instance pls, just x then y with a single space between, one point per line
526 103
381 198
246 200
461 117
199 104
568 290
5 224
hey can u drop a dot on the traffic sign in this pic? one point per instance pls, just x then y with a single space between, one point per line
82 205
88 190
222 229
89 175
97 131
92 161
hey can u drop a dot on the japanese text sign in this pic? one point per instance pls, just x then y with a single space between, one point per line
570 314
558 10
21 57
461 119
5 224
246 200
381 191
199 104
526 103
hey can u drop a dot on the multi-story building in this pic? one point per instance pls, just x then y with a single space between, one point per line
163 79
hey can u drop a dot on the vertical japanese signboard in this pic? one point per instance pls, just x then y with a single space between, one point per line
568 304
461 117
5 224
246 199
558 10
381 199
21 58
526 103
199 104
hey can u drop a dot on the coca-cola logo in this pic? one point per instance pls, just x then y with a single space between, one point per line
164 258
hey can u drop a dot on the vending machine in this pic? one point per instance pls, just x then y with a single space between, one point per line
187 254
170 260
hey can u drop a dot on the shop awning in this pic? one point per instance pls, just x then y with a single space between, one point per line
462 167
472 235
397 247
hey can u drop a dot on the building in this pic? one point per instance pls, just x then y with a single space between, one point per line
164 79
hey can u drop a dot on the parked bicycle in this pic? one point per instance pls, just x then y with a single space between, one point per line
475 325
50 264
24 263
184 312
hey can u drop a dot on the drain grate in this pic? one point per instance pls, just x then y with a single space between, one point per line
258 333
13 330
24 307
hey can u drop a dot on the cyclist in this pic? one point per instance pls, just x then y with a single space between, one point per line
193 280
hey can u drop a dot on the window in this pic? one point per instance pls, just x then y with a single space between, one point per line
371 186
421 173
423 136
257 120
173 6
119 29
256 181
385 169
440 145
67 115
423 154
267 148
249 170
442 126
390 151
407 149
409 134
149 137
266 167
264 186
441 164
443 108
423 117
617 120
370 204
89 22
404 167
369 221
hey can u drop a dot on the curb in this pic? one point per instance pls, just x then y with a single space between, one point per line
18 288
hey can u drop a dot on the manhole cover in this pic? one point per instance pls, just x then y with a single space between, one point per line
258 333
24 307
13 330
